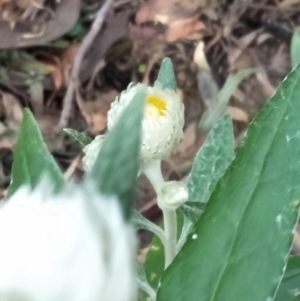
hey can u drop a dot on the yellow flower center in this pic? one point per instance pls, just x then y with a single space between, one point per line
155 106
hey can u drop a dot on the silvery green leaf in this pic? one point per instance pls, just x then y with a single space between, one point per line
166 75
192 210
32 159
81 138
185 231
212 115
140 222
143 283
295 47
116 167
289 288
209 165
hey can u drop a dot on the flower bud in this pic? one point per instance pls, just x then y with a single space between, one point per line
163 119
172 195
161 128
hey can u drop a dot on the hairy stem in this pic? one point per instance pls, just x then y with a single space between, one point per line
170 226
152 170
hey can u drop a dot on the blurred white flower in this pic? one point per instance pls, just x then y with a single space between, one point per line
72 247
161 128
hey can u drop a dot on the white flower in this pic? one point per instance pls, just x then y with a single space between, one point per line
161 133
71 247
161 128
163 119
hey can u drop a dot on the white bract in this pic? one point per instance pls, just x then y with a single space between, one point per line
72 247
161 128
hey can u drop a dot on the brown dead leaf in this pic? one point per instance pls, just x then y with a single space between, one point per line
143 255
13 110
22 4
155 10
66 62
4 1
32 8
3 129
180 17
296 242
184 29
95 112
61 74
200 57
8 141
57 78
169 11
263 37
190 136
287 3
39 67
13 118
36 94
116 27
263 79
42 29
238 114
280 62
150 34
241 57
47 121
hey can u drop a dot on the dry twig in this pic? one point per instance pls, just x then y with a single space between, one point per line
84 47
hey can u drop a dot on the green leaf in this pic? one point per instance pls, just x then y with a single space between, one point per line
289 289
187 227
155 264
81 138
142 281
139 222
166 75
211 116
117 163
209 166
192 211
295 46
77 31
155 260
32 158
240 245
